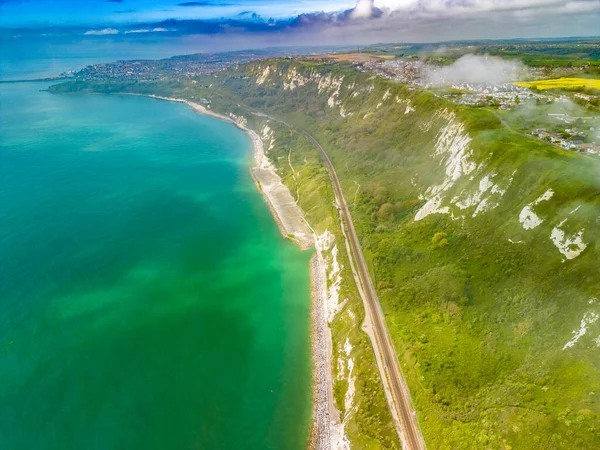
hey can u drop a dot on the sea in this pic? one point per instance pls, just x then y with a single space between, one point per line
147 298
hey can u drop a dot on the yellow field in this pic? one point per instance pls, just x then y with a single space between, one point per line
562 83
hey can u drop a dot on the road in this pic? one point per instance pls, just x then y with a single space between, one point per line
389 367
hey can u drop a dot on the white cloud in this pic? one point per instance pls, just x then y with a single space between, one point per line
464 9
369 21
446 6
144 30
582 6
360 22
477 69
363 9
439 20
102 32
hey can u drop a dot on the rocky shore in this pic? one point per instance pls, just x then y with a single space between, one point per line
320 436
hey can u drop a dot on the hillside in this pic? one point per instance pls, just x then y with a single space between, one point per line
485 248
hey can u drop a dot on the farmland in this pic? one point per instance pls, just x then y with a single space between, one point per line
562 83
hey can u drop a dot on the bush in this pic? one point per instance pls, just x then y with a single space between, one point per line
439 240
386 213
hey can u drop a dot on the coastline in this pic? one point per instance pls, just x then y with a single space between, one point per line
285 211
292 225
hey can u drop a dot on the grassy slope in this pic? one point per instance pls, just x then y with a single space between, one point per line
370 426
479 323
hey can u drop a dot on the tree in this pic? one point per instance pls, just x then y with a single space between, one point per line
387 212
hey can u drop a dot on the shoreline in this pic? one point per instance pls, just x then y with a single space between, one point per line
285 211
292 225
322 388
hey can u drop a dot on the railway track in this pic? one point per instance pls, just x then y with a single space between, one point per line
400 401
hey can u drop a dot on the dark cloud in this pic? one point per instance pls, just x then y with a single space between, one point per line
224 26
250 15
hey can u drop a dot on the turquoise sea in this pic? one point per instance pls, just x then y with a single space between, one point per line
147 299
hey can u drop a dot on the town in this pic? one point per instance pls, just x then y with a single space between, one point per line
152 70
572 138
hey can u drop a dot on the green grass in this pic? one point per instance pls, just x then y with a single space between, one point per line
370 426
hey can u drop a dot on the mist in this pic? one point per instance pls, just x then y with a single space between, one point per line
476 69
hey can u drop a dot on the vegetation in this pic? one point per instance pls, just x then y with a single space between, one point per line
370 426
562 83
480 309
557 53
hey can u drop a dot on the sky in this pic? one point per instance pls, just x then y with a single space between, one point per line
307 22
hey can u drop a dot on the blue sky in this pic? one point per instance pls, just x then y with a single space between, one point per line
306 22
17 13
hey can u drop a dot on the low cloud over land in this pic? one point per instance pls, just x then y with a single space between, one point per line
477 69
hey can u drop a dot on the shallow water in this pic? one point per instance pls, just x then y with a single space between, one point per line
147 300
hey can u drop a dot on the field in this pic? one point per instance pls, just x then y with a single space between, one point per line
562 83
352 57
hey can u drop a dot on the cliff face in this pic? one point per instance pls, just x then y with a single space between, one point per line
484 246
463 164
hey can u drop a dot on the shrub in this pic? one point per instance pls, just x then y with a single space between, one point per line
386 213
439 240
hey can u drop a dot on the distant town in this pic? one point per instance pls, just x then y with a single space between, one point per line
152 70
180 66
